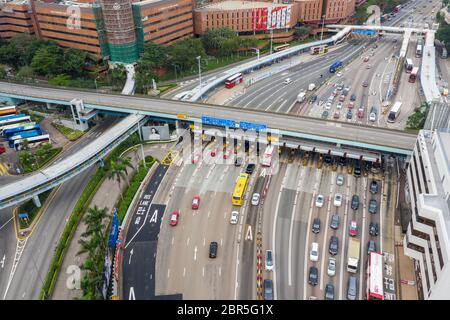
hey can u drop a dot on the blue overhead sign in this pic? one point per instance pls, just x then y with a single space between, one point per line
252 126
218 122
365 32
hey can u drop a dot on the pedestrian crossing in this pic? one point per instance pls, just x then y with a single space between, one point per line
3 169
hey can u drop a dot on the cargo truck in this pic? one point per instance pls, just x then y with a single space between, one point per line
301 96
353 255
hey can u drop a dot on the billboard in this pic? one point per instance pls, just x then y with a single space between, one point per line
278 17
260 19
156 132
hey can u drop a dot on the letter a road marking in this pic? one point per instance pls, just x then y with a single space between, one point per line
132 297
154 217
248 235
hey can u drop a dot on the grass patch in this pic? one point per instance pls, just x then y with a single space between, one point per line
133 186
31 209
416 120
69 133
35 160
166 87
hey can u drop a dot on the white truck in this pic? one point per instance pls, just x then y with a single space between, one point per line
353 255
301 97
311 86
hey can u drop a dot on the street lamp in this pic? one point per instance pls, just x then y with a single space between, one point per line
271 39
199 71
323 23
175 67
257 52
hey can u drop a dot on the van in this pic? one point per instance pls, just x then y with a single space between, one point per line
314 254
352 288
268 289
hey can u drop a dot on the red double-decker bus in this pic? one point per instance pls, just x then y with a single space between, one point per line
413 75
233 80
374 289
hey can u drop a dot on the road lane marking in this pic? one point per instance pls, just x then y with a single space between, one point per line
2 262
204 241
131 296
172 240
168 273
6 223
184 272
236 273
203 272
131 255
187 241
195 253
220 271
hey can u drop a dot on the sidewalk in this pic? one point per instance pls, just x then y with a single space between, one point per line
105 197
406 266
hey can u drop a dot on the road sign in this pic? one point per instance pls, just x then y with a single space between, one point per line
218 122
252 126
365 32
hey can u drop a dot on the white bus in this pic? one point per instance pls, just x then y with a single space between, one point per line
408 65
267 157
395 111
32 141
374 285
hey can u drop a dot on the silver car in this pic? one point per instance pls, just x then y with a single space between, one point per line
331 270
340 179
255 199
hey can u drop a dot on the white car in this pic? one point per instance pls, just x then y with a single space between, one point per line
319 201
339 106
340 179
339 74
328 106
314 254
287 81
255 199
338 199
234 217
331 270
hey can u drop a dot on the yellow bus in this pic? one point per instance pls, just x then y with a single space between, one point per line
239 189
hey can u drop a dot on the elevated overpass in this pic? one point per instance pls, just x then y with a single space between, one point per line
61 171
352 135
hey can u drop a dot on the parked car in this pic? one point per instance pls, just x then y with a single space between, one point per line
269 260
196 202
331 269
234 217
334 222
268 289
373 187
342 162
342 98
355 202
340 177
238 161
353 230
333 245
255 199
353 97
329 291
313 276
349 114
373 229
337 114
325 114
320 199
337 199
373 206
313 99
352 288
213 249
371 246
316 225
339 106
360 113
357 171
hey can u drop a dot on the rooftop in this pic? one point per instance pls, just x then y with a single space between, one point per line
239 5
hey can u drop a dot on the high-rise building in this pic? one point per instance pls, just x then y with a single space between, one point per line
427 238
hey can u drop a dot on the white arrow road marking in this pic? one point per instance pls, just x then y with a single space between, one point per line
248 235
3 261
131 254
195 253
132 296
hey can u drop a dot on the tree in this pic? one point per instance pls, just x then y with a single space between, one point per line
60 80
217 41
2 73
144 75
117 76
155 54
116 170
25 72
73 62
184 53
48 60
302 32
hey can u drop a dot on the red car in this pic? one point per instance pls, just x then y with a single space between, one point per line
195 159
2 148
353 231
195 202
174 218
360 113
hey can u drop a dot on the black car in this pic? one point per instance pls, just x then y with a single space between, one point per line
268 289
324 114
250 168
329 292
374 187
238 162
355 202
316 225
342 161
373 229
213 249
357 171
353 97
313 99
313 276
349 114
334 224
373 206
334 245
327 159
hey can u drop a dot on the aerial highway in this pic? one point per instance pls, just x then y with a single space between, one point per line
287 124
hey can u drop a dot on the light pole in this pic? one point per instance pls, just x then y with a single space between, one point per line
257 52
199 70
175 67
271 39
323 23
